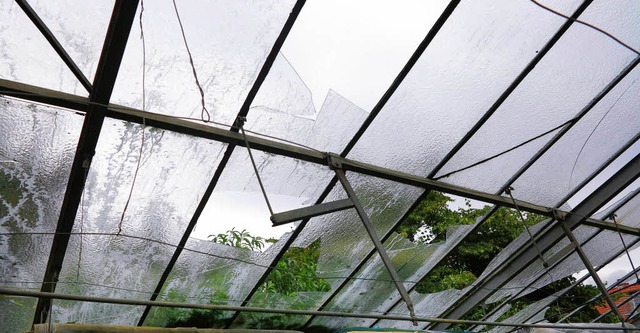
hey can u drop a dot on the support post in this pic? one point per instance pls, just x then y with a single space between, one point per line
374 238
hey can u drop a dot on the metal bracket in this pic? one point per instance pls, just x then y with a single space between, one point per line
334 161
312 211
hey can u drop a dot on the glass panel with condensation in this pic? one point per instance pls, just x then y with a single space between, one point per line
37 145
80 27
142 189
28 58
229 42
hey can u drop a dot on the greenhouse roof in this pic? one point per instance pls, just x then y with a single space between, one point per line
121 122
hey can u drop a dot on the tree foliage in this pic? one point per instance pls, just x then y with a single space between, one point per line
428 223
296 272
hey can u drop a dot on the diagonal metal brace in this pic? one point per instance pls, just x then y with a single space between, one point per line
589 266
376 241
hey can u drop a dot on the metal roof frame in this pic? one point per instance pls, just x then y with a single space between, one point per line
106 73
97 107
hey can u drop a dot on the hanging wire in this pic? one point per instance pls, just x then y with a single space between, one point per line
588 25
575 163
204 112
144 125
240 122
507 150
626 250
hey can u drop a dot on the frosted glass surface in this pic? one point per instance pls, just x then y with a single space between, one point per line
173 175
27 56
79 26
426 305
579 66
229 41
599 134
36 150
330 130
464 70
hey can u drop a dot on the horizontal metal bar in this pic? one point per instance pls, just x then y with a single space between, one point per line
202 130
312 211
95 299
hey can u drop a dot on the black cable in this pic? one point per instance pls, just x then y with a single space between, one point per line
506 151
588 25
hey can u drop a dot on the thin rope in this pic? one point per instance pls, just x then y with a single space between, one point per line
135 174
204 112
613 217
240 123
588 25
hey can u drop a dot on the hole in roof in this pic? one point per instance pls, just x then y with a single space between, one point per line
244 211
358 47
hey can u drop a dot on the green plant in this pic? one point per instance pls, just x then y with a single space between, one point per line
296 272
240 239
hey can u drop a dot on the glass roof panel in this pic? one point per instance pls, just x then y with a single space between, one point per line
357 48
490 176
229 41
37 144
603 131
27 57
79 26
112 251
329 130
460 75
578 67
411 260
231 272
